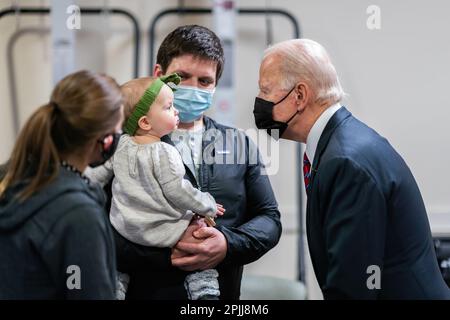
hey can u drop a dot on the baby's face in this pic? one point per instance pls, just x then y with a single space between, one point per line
162 114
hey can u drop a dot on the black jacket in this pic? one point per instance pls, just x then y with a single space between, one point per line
365 209
251 224
62 225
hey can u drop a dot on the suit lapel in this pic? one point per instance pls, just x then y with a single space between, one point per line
312 224
334 122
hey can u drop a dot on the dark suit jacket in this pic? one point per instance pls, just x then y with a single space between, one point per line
365 209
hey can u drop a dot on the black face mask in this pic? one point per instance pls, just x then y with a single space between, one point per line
263 116
107 152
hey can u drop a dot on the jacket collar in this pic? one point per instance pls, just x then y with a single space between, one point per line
334 122
209 124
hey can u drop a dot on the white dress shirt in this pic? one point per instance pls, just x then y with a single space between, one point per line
316 131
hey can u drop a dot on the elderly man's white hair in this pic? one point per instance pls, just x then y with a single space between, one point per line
306 60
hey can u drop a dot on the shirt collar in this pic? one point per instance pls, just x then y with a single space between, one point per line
316 131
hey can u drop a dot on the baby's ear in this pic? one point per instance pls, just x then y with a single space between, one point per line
144 124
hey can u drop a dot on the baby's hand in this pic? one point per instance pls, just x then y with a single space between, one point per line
220 210
198 221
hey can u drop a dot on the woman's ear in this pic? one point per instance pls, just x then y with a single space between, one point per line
144 124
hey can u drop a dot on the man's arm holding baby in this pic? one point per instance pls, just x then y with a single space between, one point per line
199 248
209 249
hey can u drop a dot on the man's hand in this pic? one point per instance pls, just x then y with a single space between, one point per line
199 249
187 236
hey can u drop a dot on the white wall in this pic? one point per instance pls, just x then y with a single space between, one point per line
396 78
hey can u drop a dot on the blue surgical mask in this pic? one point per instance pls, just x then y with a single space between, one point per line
191 102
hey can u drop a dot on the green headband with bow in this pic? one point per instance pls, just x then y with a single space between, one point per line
147 100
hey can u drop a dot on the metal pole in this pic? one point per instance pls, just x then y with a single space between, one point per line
203 11
92 11
46 11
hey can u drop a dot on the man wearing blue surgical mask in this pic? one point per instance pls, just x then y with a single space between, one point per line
198 67
191 102
251 225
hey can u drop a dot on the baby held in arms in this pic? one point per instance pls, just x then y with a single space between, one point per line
152 204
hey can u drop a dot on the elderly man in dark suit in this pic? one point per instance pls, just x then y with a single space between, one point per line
367 227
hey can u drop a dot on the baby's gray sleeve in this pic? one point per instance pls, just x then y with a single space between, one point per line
169 171
101 174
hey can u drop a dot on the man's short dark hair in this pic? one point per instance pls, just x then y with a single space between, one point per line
191 39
